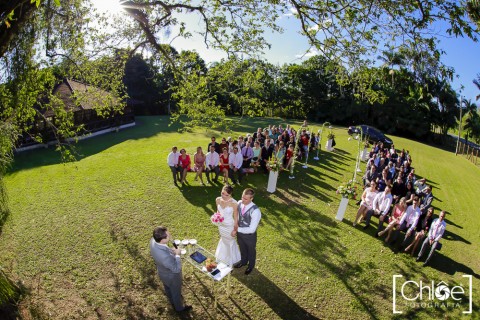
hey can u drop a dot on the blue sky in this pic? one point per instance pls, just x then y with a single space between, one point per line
460 53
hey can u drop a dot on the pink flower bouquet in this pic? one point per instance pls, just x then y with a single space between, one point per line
217 218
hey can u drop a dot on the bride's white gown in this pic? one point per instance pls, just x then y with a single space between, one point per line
227 249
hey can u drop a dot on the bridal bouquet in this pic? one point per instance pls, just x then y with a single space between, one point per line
217 218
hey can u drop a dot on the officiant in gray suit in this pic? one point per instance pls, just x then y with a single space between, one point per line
169 267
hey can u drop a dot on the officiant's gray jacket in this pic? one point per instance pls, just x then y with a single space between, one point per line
169 267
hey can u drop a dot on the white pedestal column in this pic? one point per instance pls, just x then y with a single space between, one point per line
364 155
328 145
341 209
272 181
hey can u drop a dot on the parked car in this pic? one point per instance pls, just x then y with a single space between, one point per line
373 134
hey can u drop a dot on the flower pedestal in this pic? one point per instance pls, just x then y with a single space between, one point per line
328 145
341 209
272 181
364 154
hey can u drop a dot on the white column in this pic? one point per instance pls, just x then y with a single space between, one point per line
341 209
272 181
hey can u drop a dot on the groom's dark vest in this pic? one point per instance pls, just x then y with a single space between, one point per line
245 219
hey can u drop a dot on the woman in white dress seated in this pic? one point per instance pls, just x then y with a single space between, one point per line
227 249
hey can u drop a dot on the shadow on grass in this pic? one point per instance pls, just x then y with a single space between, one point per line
145 266
448 235
280 303
145 127
445 264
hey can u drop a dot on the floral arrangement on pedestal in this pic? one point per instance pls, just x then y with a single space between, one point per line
217 218
348 190
272 164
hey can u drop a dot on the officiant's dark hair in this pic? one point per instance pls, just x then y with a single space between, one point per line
159 233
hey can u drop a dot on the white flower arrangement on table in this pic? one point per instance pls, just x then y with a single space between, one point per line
217 218
348 190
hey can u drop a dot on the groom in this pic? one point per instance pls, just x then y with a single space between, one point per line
249 216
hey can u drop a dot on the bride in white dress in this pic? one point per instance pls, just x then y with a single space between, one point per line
227 249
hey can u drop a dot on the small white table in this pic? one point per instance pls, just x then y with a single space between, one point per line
224 268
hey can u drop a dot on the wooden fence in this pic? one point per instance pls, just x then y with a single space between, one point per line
470 152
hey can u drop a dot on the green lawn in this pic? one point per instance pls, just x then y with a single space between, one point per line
77 236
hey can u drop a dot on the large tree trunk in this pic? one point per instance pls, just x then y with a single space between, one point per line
23 11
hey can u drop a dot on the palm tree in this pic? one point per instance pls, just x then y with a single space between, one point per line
472 121
392 59
473 9
477 83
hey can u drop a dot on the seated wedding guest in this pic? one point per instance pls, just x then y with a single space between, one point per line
370 176
434 235
224 164
257 134
408 167
265 137
274 134
427 198
409 221
380 208
215 144
382 164
366 203
398 189
410 194
247 155
391 171
420 185
289 157
184 162
280 153
223 144
288 130
314 141
172 161
383 180
233 145
235 161
199 164
285 136
267 152
304 142
212 160
294 134
256 155
393 155
291 141
230 144
394 221
423 227
241 142
250 141
410 177
280 139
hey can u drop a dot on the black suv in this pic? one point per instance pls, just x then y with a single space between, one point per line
373 134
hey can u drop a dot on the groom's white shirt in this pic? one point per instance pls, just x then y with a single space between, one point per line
256 216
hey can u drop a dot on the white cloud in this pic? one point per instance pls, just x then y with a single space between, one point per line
310 53
292 12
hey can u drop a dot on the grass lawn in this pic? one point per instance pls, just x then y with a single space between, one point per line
77 236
